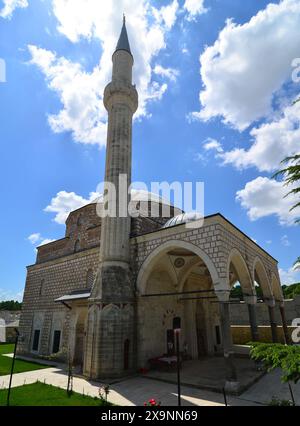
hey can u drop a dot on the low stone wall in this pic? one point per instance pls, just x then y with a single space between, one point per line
239 312
241 334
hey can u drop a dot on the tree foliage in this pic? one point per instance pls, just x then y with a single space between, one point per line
10 305
290 291
285 357
291 176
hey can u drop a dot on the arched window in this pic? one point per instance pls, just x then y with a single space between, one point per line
77 246
79 220
42 287
89 278
126 354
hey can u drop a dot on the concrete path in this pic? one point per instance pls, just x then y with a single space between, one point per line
135 391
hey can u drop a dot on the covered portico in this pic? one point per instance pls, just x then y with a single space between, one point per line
183 276
77 304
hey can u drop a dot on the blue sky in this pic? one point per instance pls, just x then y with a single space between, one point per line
237 56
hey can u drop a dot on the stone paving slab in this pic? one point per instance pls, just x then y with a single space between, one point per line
135 391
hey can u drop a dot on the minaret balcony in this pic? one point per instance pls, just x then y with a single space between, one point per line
118 92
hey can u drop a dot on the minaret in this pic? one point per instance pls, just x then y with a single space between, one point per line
110 337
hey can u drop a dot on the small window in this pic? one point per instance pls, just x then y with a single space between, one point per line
126 354
56 341
218 335
77 246
79 220
36 340
42 285
89 278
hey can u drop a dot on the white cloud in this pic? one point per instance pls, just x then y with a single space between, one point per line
166 14
37 239
83 111
248 64
273 142
169 73
65 202
212 145
80 92
46 241
289 276
10 6
264 197
8 295
194 8
34 238
285 241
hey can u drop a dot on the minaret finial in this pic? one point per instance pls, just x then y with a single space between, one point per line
124 19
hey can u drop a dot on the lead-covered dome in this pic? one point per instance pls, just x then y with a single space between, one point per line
183 218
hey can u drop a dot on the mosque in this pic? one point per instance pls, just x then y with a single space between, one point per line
106 294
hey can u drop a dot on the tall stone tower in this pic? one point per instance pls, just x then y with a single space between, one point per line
110 339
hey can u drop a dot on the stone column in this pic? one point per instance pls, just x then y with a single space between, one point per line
231 384
251 304
284 324
271 308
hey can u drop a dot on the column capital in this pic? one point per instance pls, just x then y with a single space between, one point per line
250 300
222 290
223 295
270 301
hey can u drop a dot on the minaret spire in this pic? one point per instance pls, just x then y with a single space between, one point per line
123 43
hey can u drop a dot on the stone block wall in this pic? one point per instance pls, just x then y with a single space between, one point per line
46 282
241 334
239 312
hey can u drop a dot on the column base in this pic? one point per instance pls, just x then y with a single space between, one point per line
232 387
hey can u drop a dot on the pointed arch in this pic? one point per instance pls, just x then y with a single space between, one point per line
237 262
276 288
260 275
150 261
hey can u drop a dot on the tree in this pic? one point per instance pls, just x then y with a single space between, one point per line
10 305
291 175
278 356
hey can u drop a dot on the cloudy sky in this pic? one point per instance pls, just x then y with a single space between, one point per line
216 79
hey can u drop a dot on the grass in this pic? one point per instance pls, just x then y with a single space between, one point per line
42 395
20 366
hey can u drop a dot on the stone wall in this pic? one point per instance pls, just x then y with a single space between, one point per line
46 282
239 312
241 334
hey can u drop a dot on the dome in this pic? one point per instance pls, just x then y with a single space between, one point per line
183 218
139 195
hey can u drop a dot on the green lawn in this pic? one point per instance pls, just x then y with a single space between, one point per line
39 394
20 366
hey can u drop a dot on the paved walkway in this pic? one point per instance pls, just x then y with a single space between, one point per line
135 391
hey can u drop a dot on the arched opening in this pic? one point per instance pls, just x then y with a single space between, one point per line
181 277
261 280
276 289
239 276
